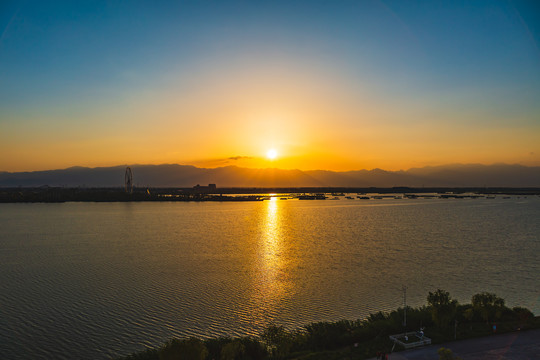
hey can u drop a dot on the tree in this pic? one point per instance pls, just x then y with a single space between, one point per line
278 341
254 350
468 314
443 307
186 349
233 350
522 314
489 305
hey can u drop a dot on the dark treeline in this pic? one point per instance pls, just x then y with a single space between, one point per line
58 194
443 319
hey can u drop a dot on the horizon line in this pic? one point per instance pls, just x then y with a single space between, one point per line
275 168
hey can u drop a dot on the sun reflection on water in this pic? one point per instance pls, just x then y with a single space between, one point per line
271 234
273 278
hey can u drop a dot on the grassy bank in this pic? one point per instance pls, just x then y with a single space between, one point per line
442 318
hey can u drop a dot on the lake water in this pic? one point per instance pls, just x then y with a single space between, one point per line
95 280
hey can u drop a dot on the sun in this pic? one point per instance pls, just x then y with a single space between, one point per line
271 154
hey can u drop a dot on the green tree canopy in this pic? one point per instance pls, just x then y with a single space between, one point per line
489 305
186 349
233 350
278 341
443 307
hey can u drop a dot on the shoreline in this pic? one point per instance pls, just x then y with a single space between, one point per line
474 328
47 194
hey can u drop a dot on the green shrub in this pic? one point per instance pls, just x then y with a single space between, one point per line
446 354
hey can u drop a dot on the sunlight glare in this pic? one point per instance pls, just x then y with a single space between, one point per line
271 154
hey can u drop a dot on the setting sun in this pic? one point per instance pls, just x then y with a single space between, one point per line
271 154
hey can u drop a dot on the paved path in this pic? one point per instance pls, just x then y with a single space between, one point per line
519 345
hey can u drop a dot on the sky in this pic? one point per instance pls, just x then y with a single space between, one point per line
335 85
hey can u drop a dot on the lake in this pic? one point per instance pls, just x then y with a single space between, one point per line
95 280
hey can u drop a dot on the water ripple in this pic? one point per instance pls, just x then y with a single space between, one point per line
92 281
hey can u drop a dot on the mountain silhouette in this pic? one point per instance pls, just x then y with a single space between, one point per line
174 175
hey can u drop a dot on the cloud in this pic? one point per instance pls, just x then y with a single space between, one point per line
240 157
216 162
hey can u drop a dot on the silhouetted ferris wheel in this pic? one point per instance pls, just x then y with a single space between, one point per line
128 180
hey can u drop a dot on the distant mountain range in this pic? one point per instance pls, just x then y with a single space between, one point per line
173 175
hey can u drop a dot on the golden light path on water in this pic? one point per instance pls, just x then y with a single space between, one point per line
271 257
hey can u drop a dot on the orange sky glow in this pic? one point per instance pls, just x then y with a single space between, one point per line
319 90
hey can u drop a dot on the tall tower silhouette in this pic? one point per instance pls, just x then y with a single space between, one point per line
128 180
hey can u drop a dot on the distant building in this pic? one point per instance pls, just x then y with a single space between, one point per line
205 189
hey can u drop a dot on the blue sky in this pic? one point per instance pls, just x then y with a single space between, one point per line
66 66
